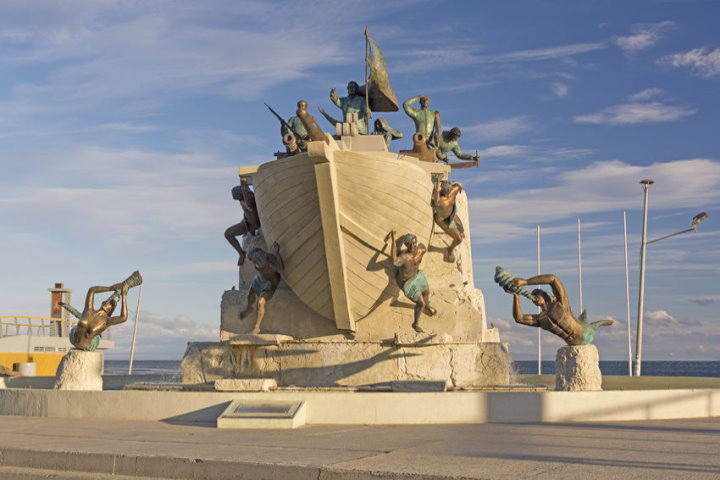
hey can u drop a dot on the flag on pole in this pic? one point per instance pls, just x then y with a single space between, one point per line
380 95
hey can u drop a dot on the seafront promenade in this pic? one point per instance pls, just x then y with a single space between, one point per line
61 448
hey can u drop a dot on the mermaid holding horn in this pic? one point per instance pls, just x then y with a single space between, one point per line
86 334
555 314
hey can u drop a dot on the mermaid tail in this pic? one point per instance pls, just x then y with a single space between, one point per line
74 311
591 328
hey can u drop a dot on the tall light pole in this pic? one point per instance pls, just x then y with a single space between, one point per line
539 365
641 291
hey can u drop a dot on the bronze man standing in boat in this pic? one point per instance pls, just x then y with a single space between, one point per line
426 121
269 265
353 103
250 222
409 277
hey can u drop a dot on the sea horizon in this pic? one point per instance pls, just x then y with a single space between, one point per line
661 368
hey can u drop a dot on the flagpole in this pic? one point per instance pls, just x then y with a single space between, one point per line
367 83
539 361
627 296
579 249
132 345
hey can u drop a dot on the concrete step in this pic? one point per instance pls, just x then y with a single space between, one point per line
23 473
27 464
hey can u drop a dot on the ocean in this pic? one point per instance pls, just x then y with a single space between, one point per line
620 367
651 368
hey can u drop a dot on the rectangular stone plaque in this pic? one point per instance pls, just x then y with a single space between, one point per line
262 414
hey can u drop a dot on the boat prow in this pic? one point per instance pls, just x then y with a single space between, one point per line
331 211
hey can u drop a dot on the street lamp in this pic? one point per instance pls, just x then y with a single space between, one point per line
641 291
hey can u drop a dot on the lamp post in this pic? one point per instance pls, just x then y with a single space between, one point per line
641 291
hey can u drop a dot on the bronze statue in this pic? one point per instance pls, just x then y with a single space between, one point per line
448 143
295 125
251 220
426 121
555 313
353 103
445 214
314 131
293 132
382 127
409 277
86 334
269 266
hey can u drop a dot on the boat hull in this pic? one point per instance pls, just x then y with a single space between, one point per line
331 212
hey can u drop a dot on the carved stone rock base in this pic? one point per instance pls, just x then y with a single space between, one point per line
80 370
338 362
577 368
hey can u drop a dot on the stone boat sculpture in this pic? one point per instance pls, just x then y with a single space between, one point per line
338 317
331 210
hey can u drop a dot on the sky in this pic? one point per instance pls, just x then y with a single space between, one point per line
123 123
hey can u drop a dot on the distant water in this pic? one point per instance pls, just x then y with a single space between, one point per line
651 369
143 367
657 369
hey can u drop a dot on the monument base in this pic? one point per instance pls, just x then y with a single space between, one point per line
80 370
345 362
577 368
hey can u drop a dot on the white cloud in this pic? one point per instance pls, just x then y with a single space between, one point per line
504 151
636 113
646 94
159 336
643 36
560 89
705 300
122 195
548 53
88 52
598 187
661 317
437 58
498 129
702 61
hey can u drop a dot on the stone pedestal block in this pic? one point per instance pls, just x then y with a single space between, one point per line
577 368
80 370
337 362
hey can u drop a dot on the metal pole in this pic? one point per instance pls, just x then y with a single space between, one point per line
641 293
367 81
537 234
580 264
132 345
627 295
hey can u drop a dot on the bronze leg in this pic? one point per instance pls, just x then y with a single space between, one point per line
231 235
260 314
250 303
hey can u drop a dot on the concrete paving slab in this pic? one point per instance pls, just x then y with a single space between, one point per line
652 449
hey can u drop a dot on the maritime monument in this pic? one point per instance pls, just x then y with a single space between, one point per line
360 265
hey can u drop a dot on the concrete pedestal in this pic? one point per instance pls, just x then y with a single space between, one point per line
577 368
80 370
332 362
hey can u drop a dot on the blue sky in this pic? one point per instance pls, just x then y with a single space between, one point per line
122 124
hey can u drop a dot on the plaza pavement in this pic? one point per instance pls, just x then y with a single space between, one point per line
60 448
